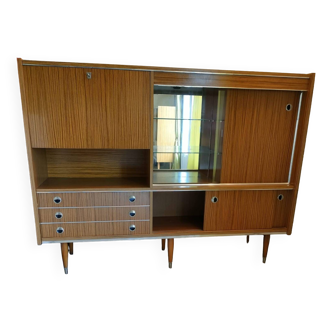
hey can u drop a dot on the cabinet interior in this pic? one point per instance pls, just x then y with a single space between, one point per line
188 131
79 168
178 211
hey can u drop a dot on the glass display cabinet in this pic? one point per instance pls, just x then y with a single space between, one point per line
188 127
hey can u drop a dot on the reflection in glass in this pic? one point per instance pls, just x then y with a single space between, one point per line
188 130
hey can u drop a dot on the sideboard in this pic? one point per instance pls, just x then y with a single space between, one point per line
133 152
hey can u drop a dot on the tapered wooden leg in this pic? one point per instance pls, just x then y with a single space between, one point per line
266 243
64 253
247 238
170 246
163 244
71 248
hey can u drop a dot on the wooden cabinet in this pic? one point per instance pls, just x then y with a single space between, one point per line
125 152
88 108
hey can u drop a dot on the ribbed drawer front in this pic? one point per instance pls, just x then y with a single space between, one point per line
91 229
87 199
94 214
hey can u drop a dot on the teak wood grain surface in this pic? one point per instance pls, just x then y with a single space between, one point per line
91 199
236 210
94 135
93 229
68 110
258 137
95 214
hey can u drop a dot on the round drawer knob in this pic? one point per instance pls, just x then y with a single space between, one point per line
57 200
60 230
280 197
132 213
132 227
58 215
214 199
132 199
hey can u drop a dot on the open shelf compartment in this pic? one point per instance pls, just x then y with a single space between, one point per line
70 169
181 211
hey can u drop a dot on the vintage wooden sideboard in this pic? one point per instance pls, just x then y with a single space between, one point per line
118 152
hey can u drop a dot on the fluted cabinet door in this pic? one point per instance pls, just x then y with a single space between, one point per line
88 108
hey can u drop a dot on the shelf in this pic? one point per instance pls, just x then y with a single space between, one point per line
169 224
180 149
80 184
182 177
182 119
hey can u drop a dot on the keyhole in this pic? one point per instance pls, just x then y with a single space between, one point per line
280 197
289 107
214 199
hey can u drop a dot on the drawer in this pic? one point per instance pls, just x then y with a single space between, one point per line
93 199
94 214
91 229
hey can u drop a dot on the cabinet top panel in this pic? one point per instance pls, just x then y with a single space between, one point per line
163 69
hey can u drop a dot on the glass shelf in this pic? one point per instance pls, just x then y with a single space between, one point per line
188 128
181 119
182 149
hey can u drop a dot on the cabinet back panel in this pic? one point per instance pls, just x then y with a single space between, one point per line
259 134
82 163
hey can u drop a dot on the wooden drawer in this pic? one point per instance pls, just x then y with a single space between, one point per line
94 199
91 229
94 214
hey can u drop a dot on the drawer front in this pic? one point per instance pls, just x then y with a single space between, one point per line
94 214
92 229
93 199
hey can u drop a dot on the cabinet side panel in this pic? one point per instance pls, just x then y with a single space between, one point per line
33 177
258 137
299 147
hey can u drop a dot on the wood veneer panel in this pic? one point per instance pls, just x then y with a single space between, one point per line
299 148
258 137
169 234
231 81
177 224
238 210
68 110
40 171
96 163
56 107
150 68
86 199
118 109
94 214
94 184
35 178
95 229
